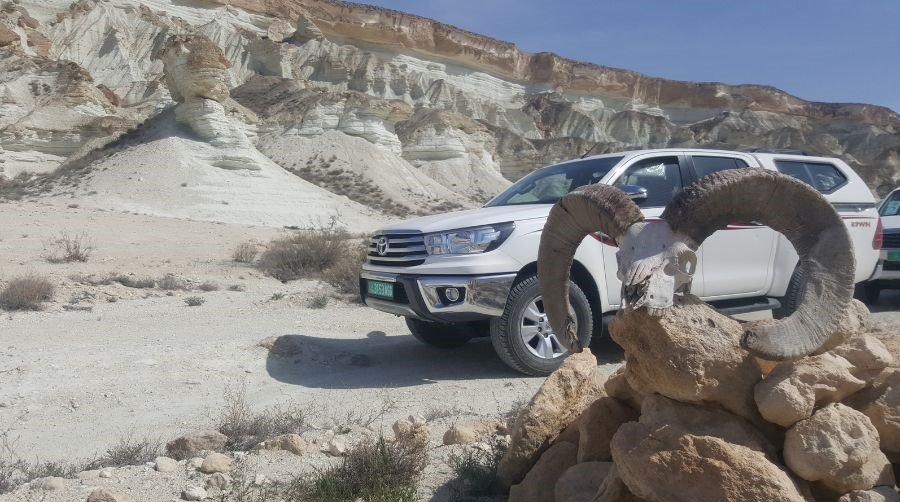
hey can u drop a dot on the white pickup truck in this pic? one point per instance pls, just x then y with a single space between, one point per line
472 273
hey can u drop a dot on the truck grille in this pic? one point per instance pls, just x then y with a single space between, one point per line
891 241
397 250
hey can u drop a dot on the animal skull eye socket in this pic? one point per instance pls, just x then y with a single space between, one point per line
687 263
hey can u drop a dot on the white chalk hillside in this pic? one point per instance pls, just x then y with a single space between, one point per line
178 177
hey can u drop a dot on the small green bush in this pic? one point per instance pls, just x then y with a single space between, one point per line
372 471
194 301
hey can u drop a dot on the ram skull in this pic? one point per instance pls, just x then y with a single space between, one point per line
656 259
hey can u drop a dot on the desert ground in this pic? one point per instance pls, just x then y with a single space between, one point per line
102 362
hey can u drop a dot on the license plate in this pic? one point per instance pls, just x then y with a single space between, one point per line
382 289
893 256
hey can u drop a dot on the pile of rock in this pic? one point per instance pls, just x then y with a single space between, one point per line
691 416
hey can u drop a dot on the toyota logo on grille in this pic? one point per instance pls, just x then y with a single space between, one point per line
381 247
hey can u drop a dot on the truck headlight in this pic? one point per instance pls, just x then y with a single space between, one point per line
468 240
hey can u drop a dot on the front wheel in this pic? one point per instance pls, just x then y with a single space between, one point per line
442 336
867 292
522 336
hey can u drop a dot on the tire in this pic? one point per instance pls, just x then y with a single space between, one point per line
442 336
791 298
507 330
867 292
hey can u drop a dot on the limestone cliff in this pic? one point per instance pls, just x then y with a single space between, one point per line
397 112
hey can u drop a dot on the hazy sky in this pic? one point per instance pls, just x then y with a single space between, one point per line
821 50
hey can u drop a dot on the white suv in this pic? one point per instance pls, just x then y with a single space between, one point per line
472 273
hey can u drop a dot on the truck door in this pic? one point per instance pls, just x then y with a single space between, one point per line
662 176
737 260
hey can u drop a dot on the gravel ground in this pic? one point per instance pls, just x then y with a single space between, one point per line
74 382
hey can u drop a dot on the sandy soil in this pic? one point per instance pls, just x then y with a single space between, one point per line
74 381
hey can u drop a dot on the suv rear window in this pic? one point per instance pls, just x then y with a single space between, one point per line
705 164
822 176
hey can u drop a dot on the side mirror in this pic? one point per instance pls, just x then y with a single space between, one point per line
634 192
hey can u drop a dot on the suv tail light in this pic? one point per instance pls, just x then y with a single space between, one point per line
878 240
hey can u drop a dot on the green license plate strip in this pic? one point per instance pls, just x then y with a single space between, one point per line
893 256
380 289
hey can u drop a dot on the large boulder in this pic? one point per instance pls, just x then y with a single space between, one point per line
192 445
881 403
581 482
669 464
613 489
540 482
877 494
659 412
597 425
867 354
559 401
471 431
617 386
690 353
792 390
837 446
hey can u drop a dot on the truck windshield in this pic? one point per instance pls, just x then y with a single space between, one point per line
549 184
891 207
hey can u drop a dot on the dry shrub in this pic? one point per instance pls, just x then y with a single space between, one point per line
372 471
246 428
343 275
68 249
127 451
476 471
169 282
15 471
245 253
26 293
209 286
136 282
318 302
305 253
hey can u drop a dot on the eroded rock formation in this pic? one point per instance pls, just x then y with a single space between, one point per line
454 114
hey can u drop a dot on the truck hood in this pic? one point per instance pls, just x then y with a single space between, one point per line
470 218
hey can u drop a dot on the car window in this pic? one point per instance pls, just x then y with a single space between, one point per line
659 175
548 185
705 164
547 188
822 176
891 206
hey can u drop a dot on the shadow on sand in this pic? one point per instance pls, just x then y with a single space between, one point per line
379 361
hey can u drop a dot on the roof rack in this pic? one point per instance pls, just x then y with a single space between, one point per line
783 151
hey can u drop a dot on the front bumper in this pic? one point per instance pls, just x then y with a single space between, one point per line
422 297
886 270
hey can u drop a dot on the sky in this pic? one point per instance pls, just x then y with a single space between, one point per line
820 50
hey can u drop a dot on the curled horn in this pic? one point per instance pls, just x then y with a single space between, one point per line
808 221
594 208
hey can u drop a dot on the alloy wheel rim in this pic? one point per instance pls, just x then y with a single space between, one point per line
537 335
